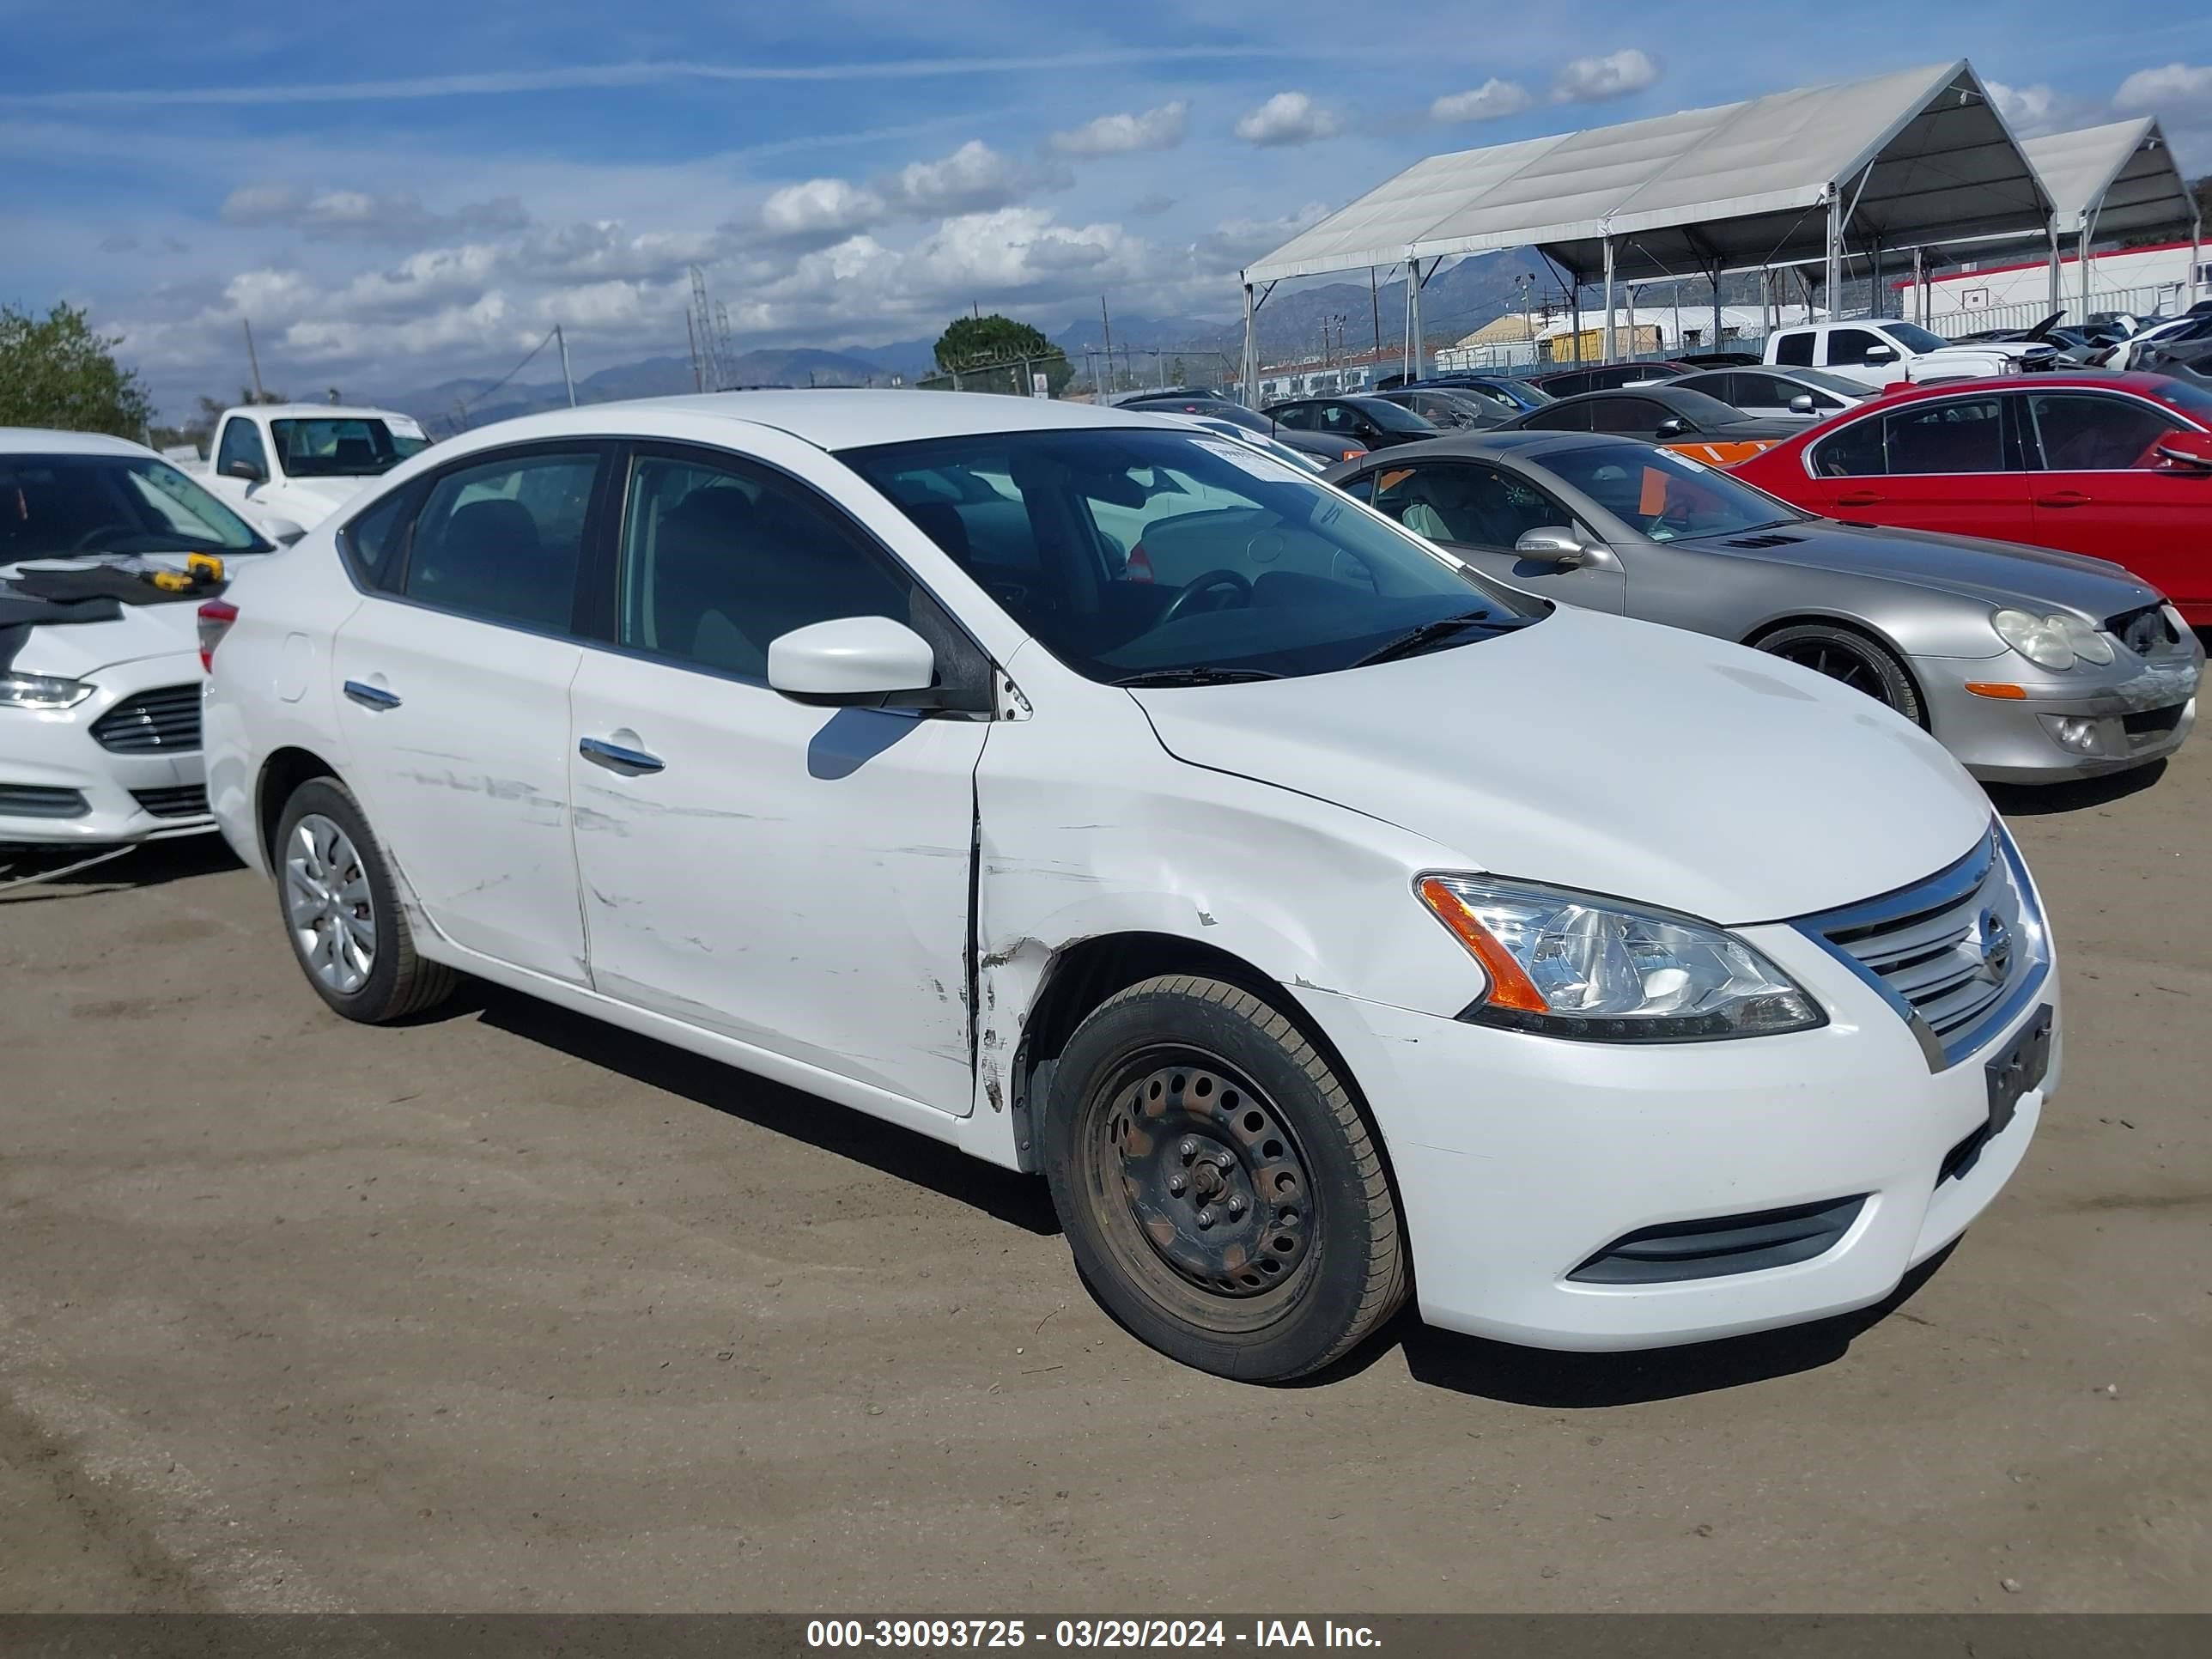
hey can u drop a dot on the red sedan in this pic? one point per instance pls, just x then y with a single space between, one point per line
2118 466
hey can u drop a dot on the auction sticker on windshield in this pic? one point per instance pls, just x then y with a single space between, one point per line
1244 459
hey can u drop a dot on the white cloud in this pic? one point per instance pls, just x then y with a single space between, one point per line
1591 80
2161 91
820 209
2027 111
353 215
1235 243
1288 117
974 179
1119 135
1487 102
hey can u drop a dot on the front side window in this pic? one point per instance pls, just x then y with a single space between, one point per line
1168 555
1625 415
1299 418
242 442
1795 349
1851 345
1456 502
51 505
718 562
2081 432
1560 417
351 448
500 540
1666 496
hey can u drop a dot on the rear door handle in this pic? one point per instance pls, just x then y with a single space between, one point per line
616 758
2064 498
371 697
1858 498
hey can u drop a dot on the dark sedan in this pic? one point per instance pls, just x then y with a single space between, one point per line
1374 422
1700 426
1320 445
1449 409
1605 377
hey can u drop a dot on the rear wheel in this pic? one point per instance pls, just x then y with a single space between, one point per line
1222 1194
341 911
1850 657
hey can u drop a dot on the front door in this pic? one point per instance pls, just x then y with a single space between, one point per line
2098 487
796 878
1479 511
1948 463
454 704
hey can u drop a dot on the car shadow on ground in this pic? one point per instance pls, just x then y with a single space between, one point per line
2021 800
37 875
1582 1382
1019 1200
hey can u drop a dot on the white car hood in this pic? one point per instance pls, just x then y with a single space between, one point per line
1617 756
73 650
309 501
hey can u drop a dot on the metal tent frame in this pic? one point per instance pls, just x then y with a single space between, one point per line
1902 161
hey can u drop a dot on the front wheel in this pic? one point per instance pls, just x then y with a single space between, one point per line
341 911
1222 1194
1843 655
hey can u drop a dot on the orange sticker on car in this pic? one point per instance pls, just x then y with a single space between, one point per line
1727 455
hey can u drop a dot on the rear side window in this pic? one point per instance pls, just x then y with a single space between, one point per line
1795 350
1959 435
500 540
371 543
1560 417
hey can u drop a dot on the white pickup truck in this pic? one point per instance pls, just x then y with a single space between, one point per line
1878 352
289 465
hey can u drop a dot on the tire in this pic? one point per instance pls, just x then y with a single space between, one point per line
1312 1264
384 980
1845 654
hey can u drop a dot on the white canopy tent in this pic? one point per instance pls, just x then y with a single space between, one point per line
1894 162
2119 180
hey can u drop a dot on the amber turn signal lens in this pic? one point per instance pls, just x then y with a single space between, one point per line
2001 690
1509 987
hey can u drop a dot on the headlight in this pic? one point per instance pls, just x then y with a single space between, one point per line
41 692
2054 642
1574 965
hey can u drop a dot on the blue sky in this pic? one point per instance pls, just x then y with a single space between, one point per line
419 195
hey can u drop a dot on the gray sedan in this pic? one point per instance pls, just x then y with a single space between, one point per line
2031 666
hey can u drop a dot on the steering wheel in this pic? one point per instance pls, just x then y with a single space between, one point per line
1204 584
83 544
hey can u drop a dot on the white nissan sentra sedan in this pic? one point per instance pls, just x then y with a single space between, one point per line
1326 924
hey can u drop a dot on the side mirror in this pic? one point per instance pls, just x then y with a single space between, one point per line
1672 427
2189 449
1552 546
852 662
249 470
1880 353
1801 403
284 531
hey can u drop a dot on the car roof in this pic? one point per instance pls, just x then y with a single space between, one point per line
43 440
2144 382
828 419
323 411
1494 444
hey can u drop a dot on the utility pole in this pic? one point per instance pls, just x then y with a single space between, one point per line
1107 322
567 379
1375 304
252 362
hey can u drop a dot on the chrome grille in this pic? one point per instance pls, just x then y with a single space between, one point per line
1956 954
187 800
160 721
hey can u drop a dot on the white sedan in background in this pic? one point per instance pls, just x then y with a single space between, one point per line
100 696
1272 898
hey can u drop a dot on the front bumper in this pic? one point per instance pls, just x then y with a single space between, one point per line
2134 713
1520 1158
86 794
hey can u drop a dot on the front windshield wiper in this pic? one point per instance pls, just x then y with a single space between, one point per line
1429 633
1199 674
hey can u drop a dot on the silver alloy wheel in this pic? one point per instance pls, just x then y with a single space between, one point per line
333 913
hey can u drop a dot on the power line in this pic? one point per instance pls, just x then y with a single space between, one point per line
467 403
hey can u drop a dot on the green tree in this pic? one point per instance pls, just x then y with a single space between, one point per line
987 353
59 373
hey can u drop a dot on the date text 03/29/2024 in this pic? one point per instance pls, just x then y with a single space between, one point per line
1085 1633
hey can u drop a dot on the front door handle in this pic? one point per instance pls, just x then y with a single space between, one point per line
1858 498
2063 498
371 697
616 758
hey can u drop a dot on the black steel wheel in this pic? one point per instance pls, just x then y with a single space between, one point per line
1222 1192
1850 659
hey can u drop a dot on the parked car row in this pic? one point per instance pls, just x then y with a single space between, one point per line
1300 878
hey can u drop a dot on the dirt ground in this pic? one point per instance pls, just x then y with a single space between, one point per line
506 1311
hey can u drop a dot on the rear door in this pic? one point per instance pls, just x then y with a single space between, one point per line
1480 510
2098 487
454 677
1949 464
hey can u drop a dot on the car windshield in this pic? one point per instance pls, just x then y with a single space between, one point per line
351 448
1390 417
1666 496
1526 389
1842 385
1914 336
57 505
1135 555
1235 414
1281 451
1700 406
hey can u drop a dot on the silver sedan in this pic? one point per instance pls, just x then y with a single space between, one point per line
2031 666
